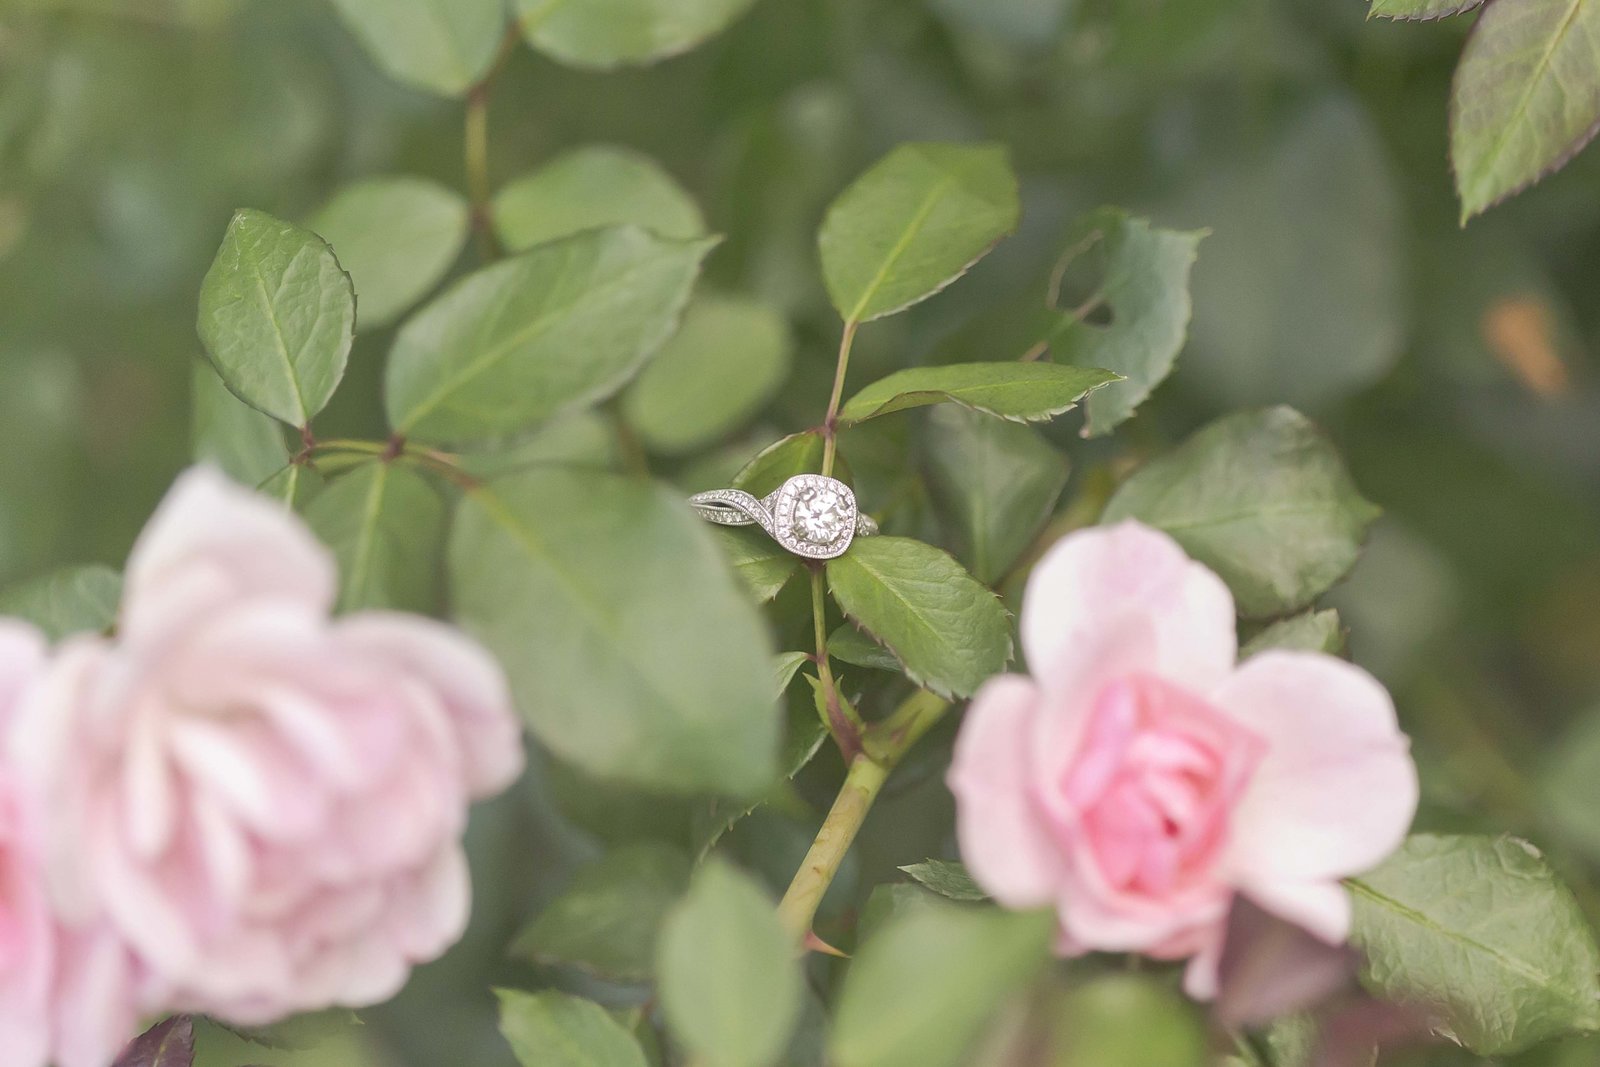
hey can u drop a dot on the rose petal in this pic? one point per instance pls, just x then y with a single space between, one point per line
44 747
435 906
211 541
22 656
1336 790
1103 579
24 1040
1005 845
1099 919
1202 977
463 676
99 1001
27 933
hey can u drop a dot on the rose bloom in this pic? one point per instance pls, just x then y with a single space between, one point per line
265 803
1140 779
67 996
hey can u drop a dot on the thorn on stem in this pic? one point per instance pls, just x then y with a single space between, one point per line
813 943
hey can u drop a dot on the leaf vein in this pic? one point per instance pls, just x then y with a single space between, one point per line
277 335
1541 67
914 227
1509 963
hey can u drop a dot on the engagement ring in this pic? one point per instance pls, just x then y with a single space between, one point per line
811 515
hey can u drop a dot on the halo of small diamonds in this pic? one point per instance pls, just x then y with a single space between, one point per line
814 516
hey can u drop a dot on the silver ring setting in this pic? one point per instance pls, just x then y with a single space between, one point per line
811 515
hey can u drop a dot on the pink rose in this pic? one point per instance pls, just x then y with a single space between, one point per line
266 803
68 996
1141 779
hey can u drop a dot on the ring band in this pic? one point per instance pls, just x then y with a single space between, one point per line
811 515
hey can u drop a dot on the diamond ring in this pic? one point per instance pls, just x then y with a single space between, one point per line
811 515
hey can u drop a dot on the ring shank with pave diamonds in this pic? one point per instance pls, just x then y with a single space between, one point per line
811 515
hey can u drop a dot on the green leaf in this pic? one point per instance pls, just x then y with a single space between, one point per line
807 731
277 315
803 738
294 485
1526 97
613 812
604 34
1145 283
996 483
1293 1040
799 453
921 990
582 439
764 565
555 1029
441 46
592 187
1567 787
820 703
1127 1020
386 527
1308 313
606 923
397 237
1481 931
247 445
1260 497
949 633
892 901
849 645
1310 631
630 648
1022 392
558 328
337 1037
914 223
67 601
1419 10
726 972
785 666
722 366
1033 24
949 880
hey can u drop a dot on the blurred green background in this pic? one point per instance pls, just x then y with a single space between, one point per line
1455 368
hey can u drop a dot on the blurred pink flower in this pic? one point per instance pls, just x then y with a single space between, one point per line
266 803
1140 779
67 996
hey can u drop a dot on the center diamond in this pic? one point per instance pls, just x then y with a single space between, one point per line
820 514
814 516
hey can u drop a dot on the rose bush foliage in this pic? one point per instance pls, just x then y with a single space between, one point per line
235 778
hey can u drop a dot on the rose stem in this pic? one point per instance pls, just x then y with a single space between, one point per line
830 424
884 744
